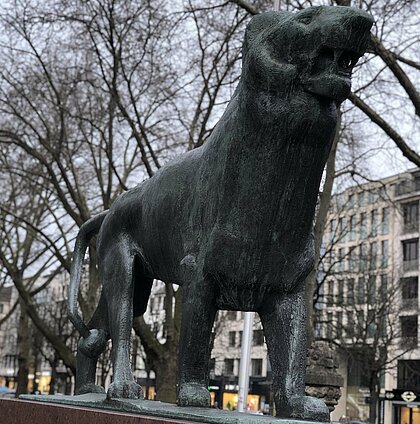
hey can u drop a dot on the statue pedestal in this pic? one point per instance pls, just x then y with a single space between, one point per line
322 378
16 411
94 408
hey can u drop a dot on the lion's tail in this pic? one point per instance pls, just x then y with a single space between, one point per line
86 232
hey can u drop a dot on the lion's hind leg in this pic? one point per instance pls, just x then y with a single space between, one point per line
117 275
89 349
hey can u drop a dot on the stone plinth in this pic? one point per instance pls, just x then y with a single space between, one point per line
30 412
87 408
322 378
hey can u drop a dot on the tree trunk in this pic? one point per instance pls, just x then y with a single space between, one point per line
53 376
324 205
147 394
163 358
373 406
166 374
24 349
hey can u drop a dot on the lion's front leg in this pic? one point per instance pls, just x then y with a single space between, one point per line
284 322
198 313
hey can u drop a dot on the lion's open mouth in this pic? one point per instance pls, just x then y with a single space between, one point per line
331 73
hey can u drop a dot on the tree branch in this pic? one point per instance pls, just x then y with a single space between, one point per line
409 153
252 10
391 61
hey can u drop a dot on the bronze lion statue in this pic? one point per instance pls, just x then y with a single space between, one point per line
231 222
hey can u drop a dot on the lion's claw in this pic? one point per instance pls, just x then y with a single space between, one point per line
193 394
125 389
306 408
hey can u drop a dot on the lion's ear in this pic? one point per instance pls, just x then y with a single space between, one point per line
263 22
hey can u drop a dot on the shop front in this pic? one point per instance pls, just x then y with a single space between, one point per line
405 406
406 413
224 394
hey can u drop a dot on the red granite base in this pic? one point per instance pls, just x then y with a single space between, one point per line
14 411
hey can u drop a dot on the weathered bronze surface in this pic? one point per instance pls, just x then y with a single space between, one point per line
231 221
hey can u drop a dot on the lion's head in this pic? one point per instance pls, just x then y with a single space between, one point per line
311 51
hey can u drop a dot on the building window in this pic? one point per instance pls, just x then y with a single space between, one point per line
240 338
317 323
350 324
362 199
411 216
331 261
212 365
363 224
362 257
356 369
403 187
352 235
1 308
351 201
339 324
341 259
383 326
373 222
361 290
371 323
229 366
371 197
341 229
256 367
411 254
373 254
340 296
408 375
349 259
409 292
384 253
333 225
350 291
232 338
231 315
409 327
384 288
382 194
330 298
361 325
372 290
258 338
385 221
152 304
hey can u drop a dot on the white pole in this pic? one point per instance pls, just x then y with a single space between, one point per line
245 359
276 5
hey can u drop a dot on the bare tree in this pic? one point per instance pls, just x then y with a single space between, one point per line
95 103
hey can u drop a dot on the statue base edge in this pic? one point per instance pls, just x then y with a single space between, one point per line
155 409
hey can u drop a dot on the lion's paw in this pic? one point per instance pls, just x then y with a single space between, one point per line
124 389
193 394
306 408
89 388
